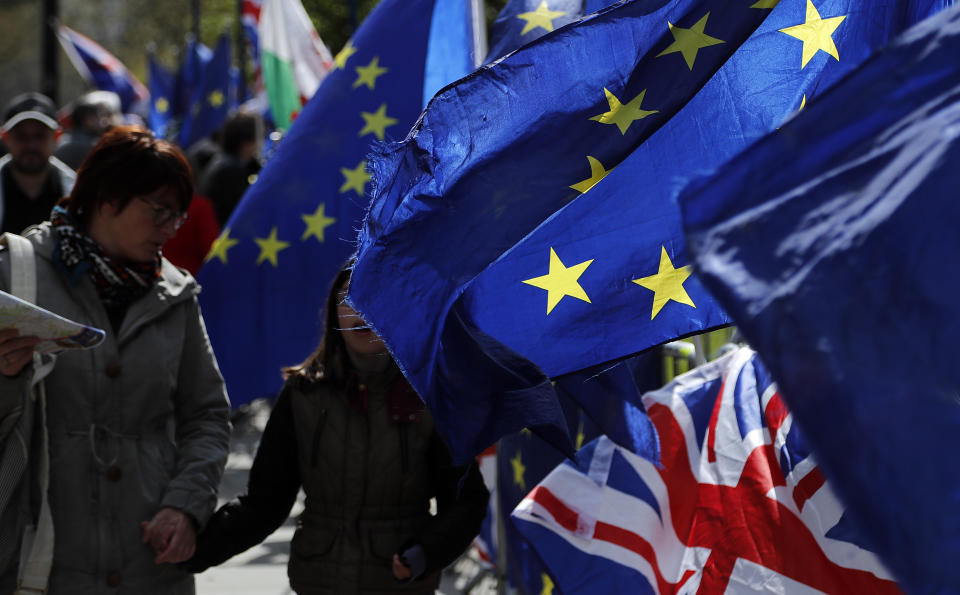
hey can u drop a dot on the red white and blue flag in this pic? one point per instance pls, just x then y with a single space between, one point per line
101 69
737 503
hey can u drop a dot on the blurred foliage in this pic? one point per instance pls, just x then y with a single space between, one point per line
129 28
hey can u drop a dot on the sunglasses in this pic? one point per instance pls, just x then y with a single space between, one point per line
163 215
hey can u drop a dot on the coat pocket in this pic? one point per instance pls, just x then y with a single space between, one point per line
315 541
384 538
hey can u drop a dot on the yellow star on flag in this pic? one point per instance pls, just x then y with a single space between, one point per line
816 34
765 4
541 17
689 41
623 115
547 584
270 247
580 436
340 60
216 98
162 105
561 281
667 284
376 122
518 469
356 178
220 246
316 223
597 173
367 75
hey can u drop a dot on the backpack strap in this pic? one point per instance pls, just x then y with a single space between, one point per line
36 549
23 269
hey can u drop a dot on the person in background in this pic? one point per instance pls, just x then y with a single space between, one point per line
32 180
189 248
350 430
138 426
232 171
93 114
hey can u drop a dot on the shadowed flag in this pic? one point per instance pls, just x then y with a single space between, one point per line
830 243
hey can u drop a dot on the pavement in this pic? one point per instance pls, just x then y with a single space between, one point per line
262 570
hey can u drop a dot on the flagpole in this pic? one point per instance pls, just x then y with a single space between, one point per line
195 15
500 569
50 81
241 55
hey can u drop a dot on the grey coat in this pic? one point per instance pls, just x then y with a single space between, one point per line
139 423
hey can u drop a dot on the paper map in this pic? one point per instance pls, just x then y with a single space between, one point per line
58 332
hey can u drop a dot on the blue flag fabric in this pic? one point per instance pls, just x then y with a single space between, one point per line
102 69
830 242
212 96
522 21
610 396
523 460
190 74
502 216
267 276
734 504
161 83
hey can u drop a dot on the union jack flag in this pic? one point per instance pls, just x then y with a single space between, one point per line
736 504
101 69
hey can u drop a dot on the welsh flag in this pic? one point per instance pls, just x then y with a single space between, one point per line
293 58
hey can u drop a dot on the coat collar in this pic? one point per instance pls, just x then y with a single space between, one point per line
173 287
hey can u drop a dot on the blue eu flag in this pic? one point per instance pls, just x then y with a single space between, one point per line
161 83
267 276
190 75
833 244
523 21
530 215
211 98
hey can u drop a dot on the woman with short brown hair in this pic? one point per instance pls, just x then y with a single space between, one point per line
138 426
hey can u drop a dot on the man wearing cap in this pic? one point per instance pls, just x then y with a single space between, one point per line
32 180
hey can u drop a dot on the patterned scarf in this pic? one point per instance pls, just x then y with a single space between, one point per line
77 253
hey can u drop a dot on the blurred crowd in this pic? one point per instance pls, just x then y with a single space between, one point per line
42 147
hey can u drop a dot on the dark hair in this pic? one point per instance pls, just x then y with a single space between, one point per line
127 162
239 128
329 361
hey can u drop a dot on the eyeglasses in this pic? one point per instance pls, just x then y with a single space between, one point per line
163 215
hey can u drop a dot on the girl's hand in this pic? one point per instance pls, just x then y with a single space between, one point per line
400 570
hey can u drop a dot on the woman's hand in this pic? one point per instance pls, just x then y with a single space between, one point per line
15 351
400 570
171 534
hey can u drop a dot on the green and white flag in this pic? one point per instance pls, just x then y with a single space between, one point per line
293 58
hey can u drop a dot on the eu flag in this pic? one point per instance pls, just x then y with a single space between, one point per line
523 21
212 96
532 207
267 276
190 76
161 83
831 242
